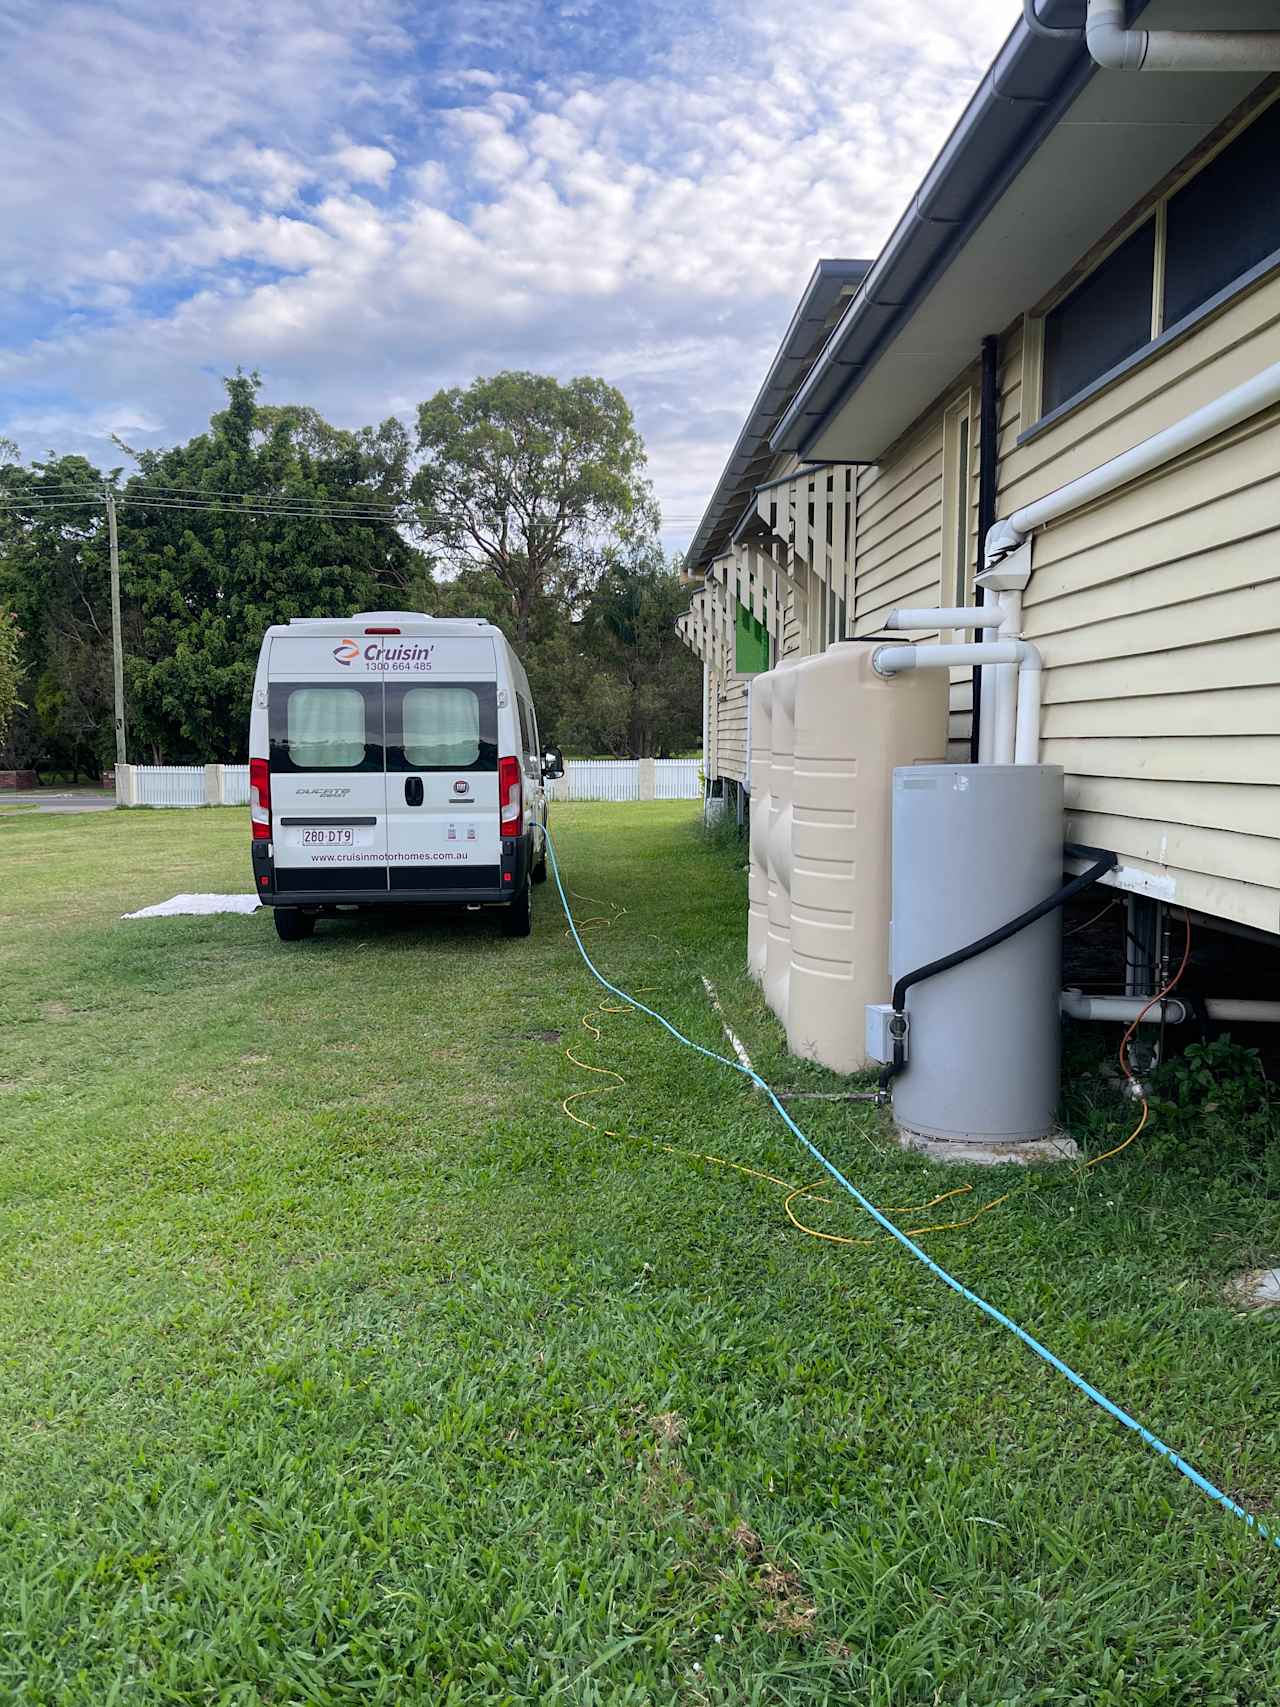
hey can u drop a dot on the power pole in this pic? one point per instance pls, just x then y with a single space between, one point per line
117 650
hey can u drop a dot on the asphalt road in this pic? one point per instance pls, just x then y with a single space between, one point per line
59 799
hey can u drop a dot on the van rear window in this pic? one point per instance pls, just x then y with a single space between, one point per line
441 727
316 727
326 728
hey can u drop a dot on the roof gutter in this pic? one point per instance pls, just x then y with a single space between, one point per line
1030 84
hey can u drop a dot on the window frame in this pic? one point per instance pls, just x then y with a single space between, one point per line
958 469
397 761
281 759
1155 206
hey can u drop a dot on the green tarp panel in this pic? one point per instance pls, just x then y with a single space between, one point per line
751 644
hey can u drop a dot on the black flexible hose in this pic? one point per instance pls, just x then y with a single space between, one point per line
1103 862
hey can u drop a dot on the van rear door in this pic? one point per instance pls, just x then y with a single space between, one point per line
327 719
442 766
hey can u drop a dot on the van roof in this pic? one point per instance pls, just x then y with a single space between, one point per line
411 622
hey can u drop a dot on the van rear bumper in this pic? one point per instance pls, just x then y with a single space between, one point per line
385 897
390 886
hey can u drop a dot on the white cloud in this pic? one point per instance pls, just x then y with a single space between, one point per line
654 227
366 165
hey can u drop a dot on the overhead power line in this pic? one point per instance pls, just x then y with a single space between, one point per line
250 504
218 508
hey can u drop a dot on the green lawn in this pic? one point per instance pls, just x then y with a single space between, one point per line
338 1365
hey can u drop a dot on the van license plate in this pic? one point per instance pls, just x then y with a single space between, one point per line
332 836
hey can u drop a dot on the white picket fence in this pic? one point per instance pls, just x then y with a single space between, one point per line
678 779
628 779
584 779
169 785
183 785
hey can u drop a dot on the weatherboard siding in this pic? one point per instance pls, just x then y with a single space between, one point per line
732 728
899 539
1157 611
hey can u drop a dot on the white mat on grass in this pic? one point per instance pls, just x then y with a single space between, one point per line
198 904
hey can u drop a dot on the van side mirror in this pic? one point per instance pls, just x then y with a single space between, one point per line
552 764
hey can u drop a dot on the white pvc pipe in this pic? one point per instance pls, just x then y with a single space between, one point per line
1008 681
888 660
1115 48
987 695
1241 1011
1228 1009
949 616
1256 394
1021 738
1076 1005
1030 692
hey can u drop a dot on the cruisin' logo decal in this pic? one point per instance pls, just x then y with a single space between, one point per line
404 655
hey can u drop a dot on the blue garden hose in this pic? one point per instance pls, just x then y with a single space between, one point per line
1100 1399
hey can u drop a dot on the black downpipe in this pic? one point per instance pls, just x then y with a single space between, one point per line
988 435
1103 862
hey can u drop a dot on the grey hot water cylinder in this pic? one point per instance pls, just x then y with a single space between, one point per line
973 846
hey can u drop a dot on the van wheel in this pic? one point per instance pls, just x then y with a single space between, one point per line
517 916
539 872
291 925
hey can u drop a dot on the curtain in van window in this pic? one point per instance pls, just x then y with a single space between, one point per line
326 728
441 727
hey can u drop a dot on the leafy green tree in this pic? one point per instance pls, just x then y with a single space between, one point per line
654 702
53 577
304 523
532 482
10 670
274 513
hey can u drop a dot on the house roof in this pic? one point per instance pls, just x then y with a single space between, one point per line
829 288
1047 156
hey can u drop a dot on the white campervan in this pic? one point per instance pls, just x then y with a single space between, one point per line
394 761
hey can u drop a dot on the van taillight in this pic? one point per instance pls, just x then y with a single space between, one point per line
260 799
382 631
510 805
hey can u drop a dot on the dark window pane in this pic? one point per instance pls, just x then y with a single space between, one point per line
1226 219
325 728
1104 319
315 727
442 726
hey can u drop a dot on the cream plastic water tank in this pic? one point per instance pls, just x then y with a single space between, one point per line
761 784
777 972
974 846
852 727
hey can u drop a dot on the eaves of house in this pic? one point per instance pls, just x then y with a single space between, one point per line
1047 156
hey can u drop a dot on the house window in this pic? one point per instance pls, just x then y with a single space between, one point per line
957 470
1206 232
1225 220
1105 319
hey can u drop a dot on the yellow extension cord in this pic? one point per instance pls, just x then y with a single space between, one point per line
792 1190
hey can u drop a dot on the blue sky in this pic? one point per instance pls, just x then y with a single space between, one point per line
368 199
